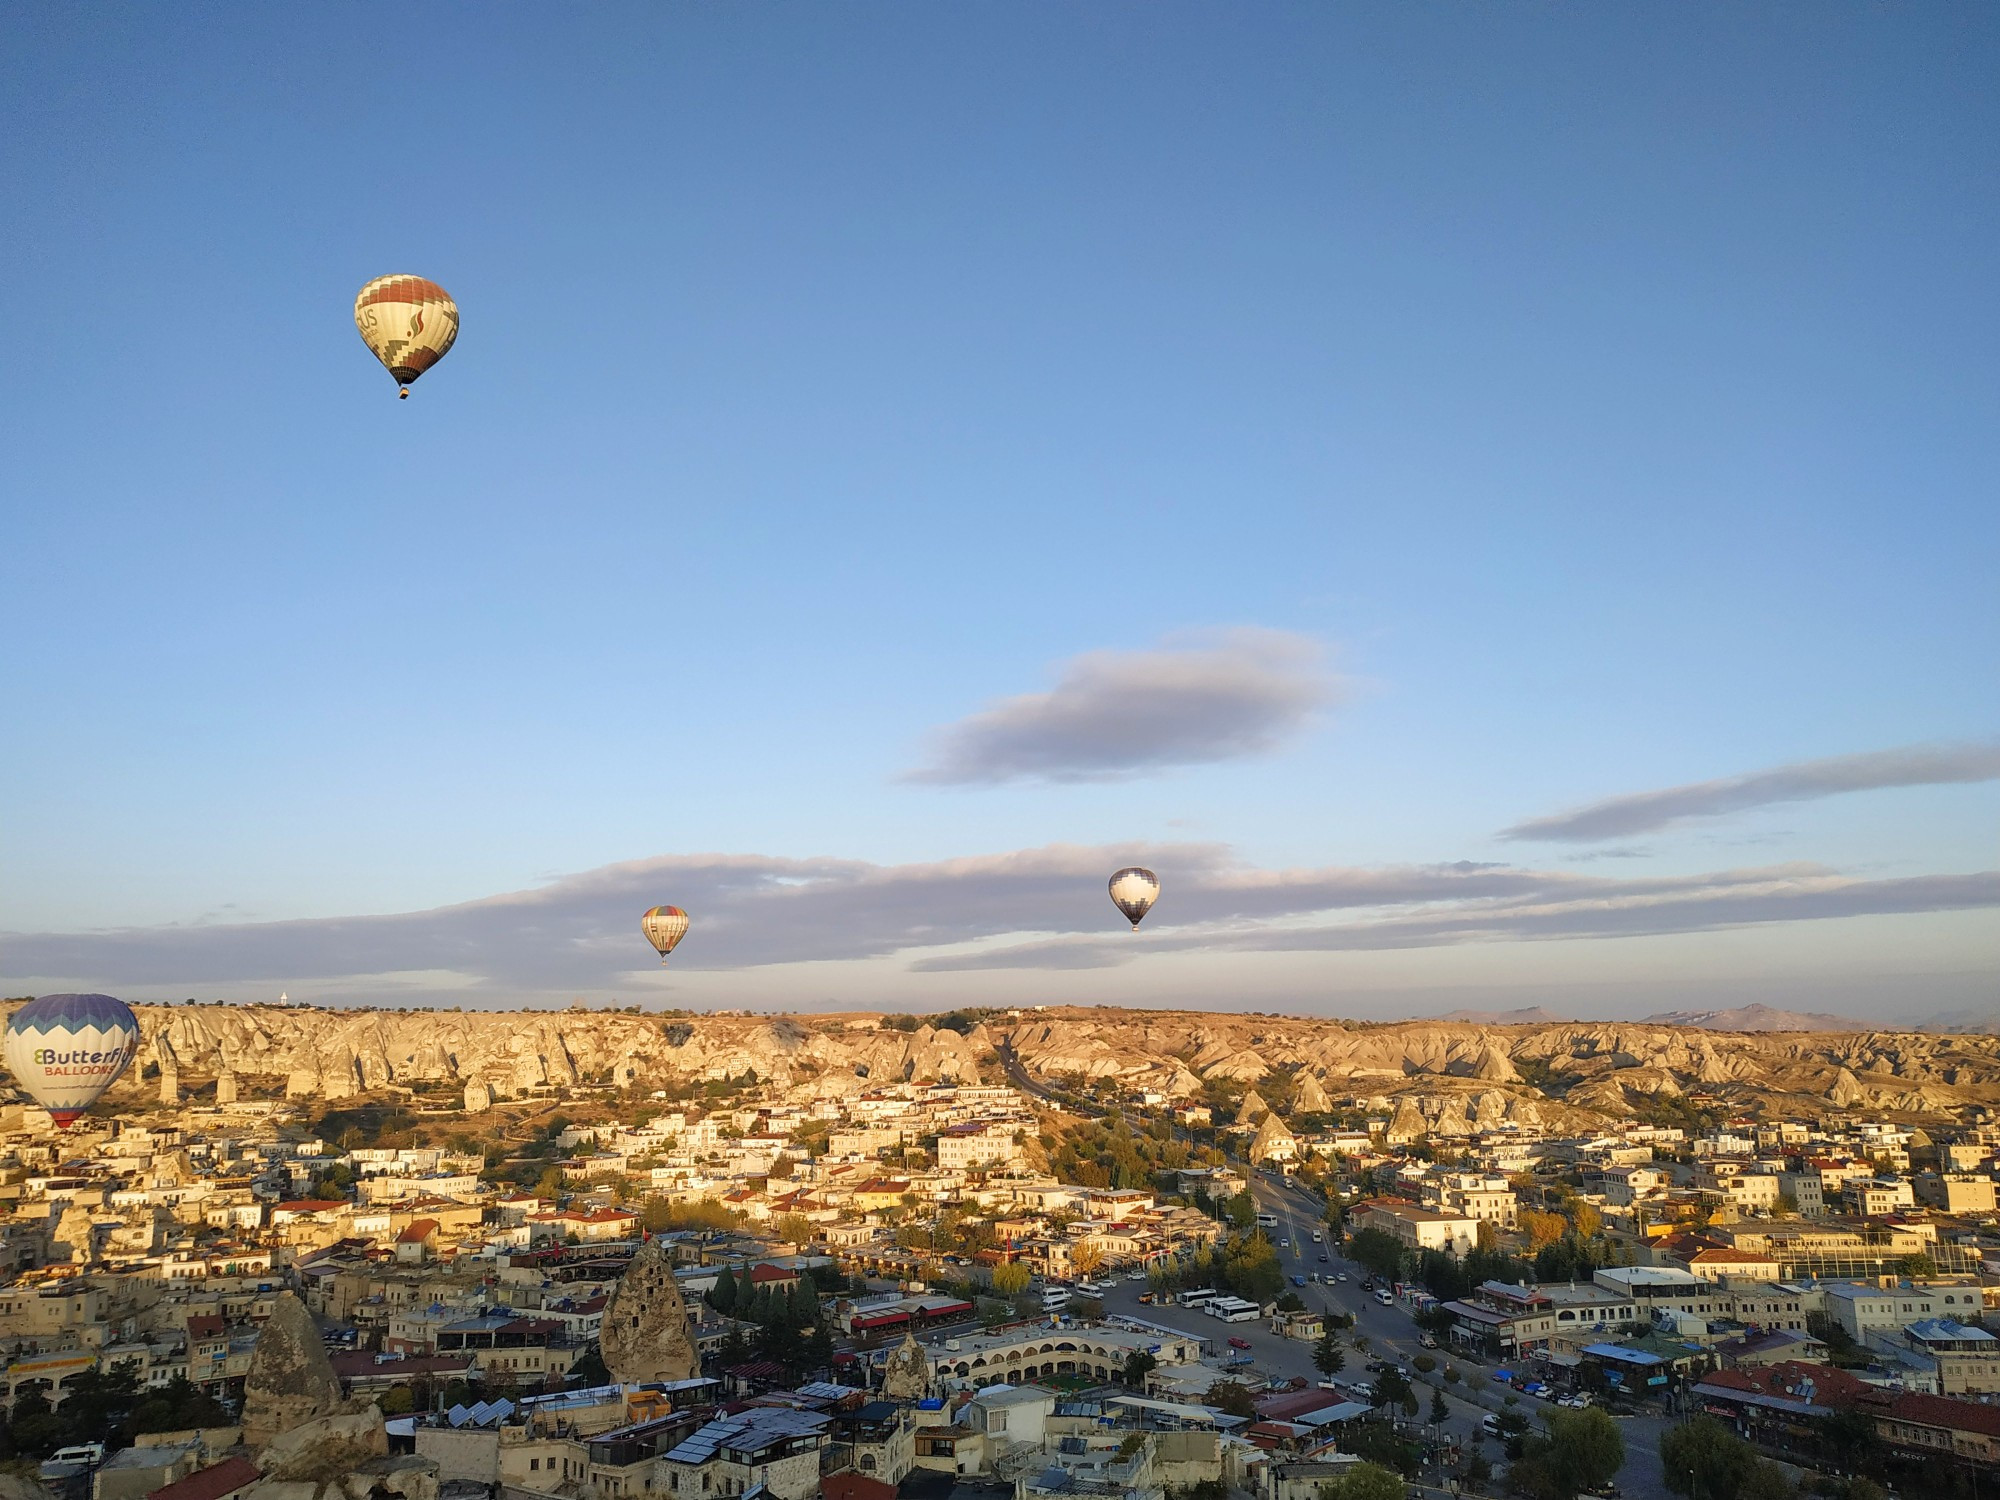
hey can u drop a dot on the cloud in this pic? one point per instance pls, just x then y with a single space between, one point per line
1113 715
1030 909
1643 812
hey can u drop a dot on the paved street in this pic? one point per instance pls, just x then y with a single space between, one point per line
1391 1335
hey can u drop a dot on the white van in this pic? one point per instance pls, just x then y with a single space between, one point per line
1384 1298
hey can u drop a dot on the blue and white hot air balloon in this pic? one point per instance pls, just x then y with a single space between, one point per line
65 1050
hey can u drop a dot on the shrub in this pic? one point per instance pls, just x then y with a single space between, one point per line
1451 1376
1424 1363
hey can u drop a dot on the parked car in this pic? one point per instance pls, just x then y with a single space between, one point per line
1298 1281
1427 1341
1490 1425
1147 1298
1341 1277
1238 1343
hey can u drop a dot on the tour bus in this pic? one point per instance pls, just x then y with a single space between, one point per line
1268 1221
1055 1298
1199 1298
1232 1310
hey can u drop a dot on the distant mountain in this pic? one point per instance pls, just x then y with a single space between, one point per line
1972 1020
1532 1015
1755 1018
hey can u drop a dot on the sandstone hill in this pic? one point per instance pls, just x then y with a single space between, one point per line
1433 1076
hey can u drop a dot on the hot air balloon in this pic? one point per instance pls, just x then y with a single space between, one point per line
1133 891
408 323
664 927
65 1050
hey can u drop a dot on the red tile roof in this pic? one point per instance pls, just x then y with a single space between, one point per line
211 1483
204 1326
418 1231
1943 1411
852 1486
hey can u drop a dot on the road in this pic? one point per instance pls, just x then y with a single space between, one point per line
1390 1332
1393 1336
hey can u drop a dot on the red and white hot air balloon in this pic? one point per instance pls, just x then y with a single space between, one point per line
408 323
664 927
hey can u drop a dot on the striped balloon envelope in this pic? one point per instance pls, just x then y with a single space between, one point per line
664 927
66 1050
408 323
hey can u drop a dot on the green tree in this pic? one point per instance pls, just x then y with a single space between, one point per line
1011 1278
724 1295
1228 1396
1440 1408
1242 1211
1138 1365
588 1371
1704 1460
1328 1357
1583 1451
1380 1252
1394 1389
795 1230
1365 1481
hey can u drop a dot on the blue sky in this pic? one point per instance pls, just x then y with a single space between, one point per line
1376 427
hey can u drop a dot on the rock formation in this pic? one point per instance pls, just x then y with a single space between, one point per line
478 1098
906 1373
1273 1139
1252 1109
646 1335
1560 1074
1312 1098
225 1087
290 1381
75 1235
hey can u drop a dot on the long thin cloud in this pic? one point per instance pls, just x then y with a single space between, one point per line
1041 908
1113 715
1645 812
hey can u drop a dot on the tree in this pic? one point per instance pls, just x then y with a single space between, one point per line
1242 1210
1011 1278
1380 1252
1704 1460
1228 1396
1251 1269
1328 1357
1138 1365
1583 1451
1087 1256
795 1230
1365 1481
1542 1229
1393 1389
1440 1408
587 1371
725 1294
